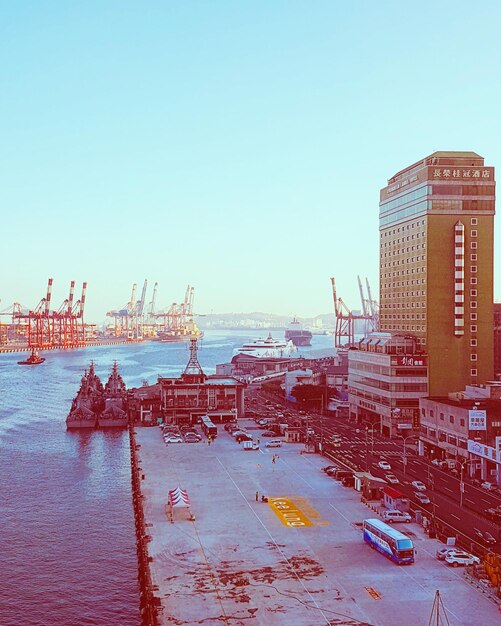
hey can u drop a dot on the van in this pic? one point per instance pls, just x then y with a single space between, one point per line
394 515
274 443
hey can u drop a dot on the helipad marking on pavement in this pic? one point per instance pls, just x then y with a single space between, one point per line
288 513
374 594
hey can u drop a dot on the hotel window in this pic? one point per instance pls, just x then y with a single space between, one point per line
442 416
473 269
473 317
473 245
474 221
473 357
461 421
473 372
451 419
473 257
473 343
473 233
473 304
473 328
473 280
473 293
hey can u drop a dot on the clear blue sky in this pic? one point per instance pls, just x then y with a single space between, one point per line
238 147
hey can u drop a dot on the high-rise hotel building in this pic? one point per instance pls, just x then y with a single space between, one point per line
436 223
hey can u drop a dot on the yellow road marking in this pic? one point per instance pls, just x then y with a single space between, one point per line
373 593
288 513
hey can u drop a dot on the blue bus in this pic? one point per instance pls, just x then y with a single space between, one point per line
390 542
208 427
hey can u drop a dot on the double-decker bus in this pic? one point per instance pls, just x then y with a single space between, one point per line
390 542
208 427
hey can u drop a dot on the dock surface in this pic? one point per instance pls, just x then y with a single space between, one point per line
297 559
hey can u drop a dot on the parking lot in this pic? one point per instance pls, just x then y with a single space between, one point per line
298 558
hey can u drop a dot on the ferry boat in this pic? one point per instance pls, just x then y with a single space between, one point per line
268 348
98 406
33 359
298 334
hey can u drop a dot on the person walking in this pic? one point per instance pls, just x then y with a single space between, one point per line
273 459
257 496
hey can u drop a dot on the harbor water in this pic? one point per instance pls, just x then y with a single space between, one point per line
68 537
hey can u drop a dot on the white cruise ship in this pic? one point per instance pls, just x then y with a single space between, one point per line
268 348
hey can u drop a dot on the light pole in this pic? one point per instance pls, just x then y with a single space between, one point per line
461 483
404 456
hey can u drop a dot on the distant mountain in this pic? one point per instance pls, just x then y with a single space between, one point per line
260 320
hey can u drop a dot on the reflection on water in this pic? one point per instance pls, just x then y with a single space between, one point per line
68 542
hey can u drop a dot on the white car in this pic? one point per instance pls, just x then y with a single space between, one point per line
417 484
173 439
422 498
461 558
274 443
384 465
391 478
396 516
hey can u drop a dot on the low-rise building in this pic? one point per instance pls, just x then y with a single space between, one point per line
387 375
185 399
466 427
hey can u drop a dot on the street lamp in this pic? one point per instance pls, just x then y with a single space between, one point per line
404 456
461 483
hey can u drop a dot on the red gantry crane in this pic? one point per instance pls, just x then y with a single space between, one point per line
64 328
345 318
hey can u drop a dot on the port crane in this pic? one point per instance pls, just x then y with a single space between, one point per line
64 328
370 309
345 318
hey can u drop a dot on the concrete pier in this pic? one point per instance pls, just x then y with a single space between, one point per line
297 559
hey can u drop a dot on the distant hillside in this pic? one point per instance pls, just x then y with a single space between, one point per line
262 320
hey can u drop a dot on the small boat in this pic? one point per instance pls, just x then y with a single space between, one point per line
33 359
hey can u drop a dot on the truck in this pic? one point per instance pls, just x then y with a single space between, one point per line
250 445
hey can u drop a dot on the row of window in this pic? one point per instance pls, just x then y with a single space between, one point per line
405 273
397 242
444 437
418 329
396 231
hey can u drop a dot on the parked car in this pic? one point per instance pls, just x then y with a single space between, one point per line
417 484
268 433
237 433
443 552
461 558
395 515
391 478
274 443
229 426
384 465
421 498
329 468
487 486
192 435
173 439
242 436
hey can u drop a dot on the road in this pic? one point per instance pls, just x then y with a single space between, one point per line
365 449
